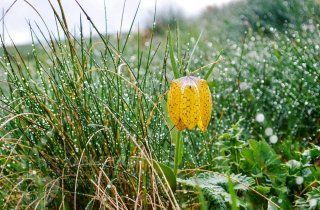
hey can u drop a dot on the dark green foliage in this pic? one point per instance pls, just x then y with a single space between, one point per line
261 161
83 121
312 200
261 16
215 187
279 14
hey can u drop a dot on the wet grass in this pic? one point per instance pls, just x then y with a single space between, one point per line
84 122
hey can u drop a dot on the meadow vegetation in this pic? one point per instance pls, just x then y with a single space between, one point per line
84 121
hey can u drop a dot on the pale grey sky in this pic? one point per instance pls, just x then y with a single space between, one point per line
16 19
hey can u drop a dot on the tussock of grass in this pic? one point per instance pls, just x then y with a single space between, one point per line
74 127
83 121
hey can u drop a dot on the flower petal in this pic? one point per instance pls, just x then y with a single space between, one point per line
174 100
180 126
190 104
205 104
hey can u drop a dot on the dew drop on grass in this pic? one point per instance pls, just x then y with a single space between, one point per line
243 86
260 117
307 172
268 131
313 203
299 180
273 139
294 164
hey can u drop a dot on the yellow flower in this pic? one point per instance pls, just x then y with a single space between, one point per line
190 103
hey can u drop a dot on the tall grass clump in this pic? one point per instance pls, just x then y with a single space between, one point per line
77 123
84 121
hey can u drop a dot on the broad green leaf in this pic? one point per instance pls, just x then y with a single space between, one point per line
172 128
262 189
261 158
168 174
215 186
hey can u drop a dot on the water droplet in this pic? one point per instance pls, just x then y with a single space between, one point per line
268 131
243 86
260 117
299 180
313 203
294 164
273 139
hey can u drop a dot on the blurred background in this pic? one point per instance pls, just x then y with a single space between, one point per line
17 13
261 60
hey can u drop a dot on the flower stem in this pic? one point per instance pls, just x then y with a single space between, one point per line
178 152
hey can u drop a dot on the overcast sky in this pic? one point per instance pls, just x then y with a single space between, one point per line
17 17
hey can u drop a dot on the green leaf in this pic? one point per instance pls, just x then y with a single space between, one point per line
277 53
261 158
314 152
312 197
202 201
165 170
172 58
178 151
194 48
262 189
232 194
172 128
212 66
215 186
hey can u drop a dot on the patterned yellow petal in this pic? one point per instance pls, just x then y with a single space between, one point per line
205 105
174 100
180 126
190 103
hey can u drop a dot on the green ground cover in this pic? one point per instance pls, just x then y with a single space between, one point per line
84 122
